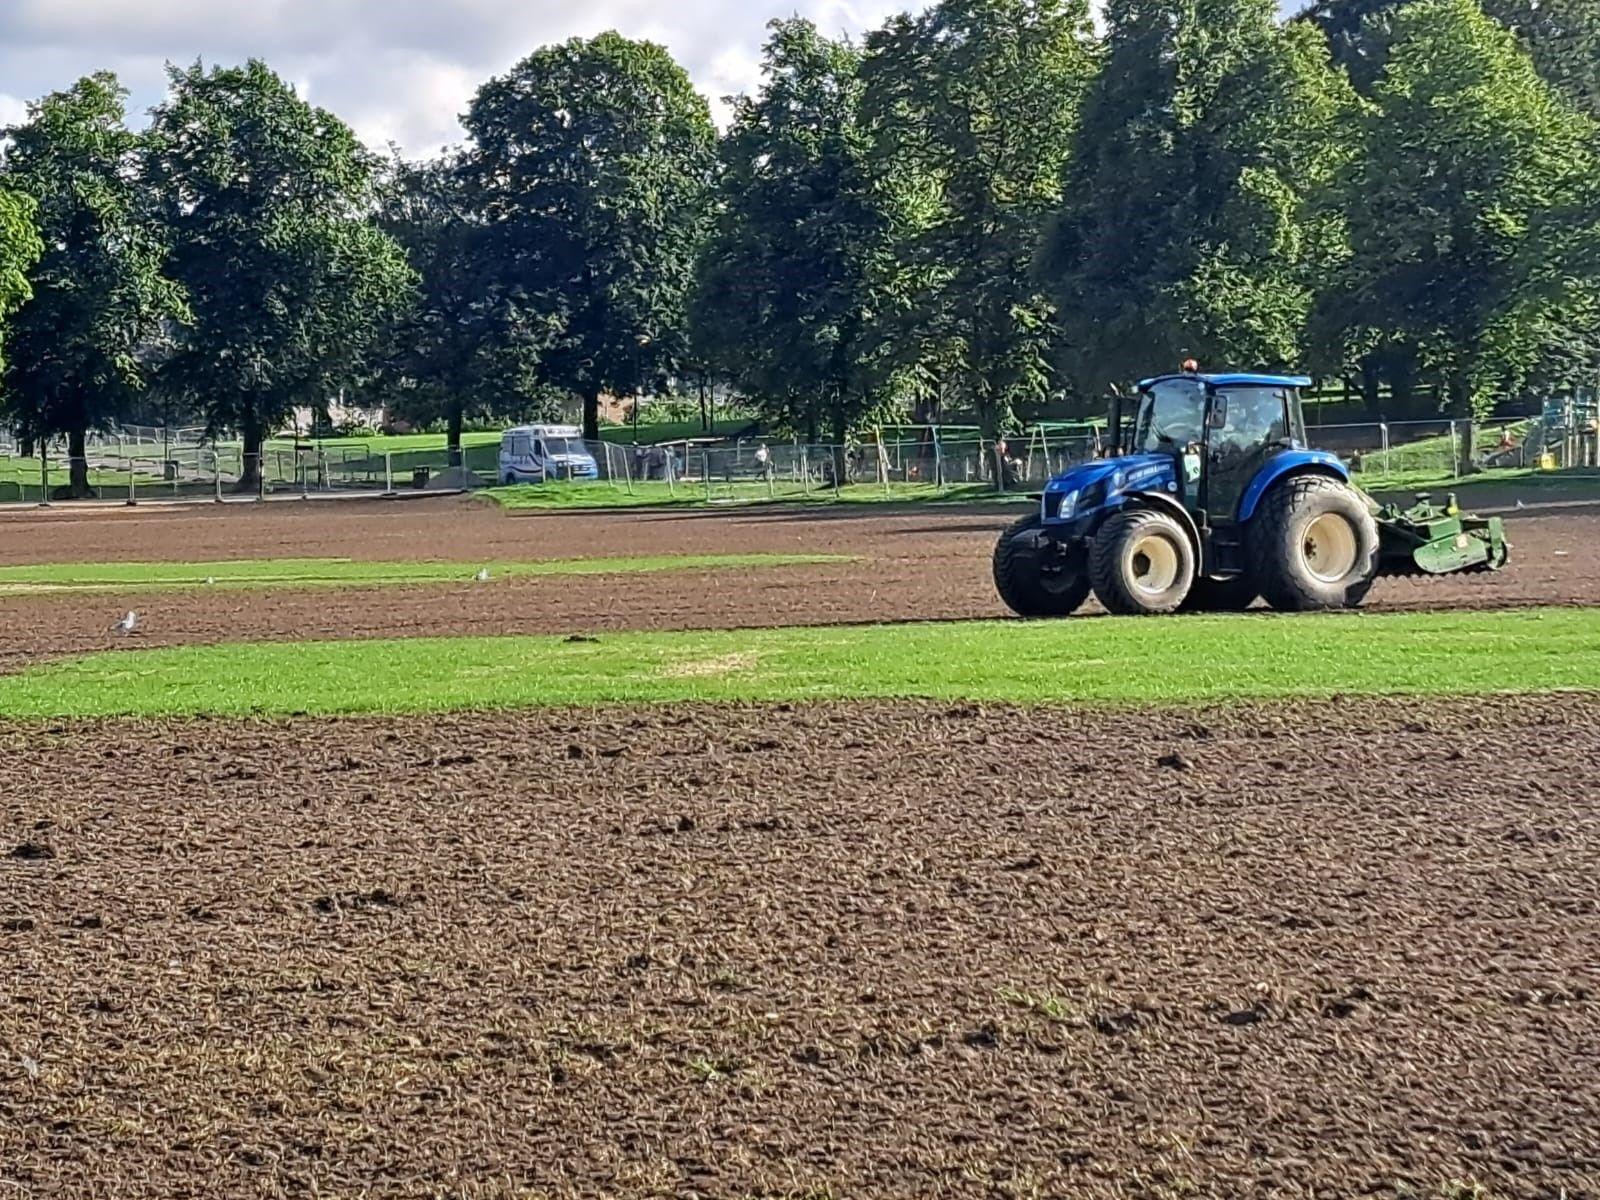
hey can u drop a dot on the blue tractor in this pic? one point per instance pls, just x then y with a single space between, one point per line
1210 499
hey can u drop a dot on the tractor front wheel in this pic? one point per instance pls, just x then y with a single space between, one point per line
1036 579
1315 545
1142 564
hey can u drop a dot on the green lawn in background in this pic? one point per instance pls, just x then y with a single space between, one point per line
341 572
1117 661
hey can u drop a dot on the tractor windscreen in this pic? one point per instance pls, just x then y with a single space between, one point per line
1172 414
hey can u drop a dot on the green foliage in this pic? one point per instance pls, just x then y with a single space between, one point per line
267 202
1564 38
463 349
1471 215
82 343
20 248
974 105
1562 35
591 165
1186 226
788 304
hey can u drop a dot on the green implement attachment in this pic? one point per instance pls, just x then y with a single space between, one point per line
1429 540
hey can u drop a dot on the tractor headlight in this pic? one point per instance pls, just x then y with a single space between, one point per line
1069 506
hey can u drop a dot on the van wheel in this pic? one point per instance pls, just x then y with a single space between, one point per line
511 481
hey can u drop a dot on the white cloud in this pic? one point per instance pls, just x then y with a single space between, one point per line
396 70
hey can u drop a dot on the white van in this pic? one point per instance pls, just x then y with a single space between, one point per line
538 453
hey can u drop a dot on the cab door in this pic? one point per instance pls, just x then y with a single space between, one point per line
1245 427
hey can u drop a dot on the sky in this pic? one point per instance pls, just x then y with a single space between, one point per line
397 71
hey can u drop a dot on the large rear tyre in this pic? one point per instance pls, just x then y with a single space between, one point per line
1034 579
1222 595
1315 545
1142 564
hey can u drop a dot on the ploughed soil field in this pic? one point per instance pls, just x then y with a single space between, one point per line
928 563
907 951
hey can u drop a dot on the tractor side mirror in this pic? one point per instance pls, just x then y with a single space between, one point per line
1217 418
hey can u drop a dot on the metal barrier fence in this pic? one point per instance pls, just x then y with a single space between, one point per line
135 467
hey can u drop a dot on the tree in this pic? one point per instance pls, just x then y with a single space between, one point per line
592 165
1471 214
268 204
787 307
1562 35
20 248
1187 227
1564 38
462 347
973 106
100 296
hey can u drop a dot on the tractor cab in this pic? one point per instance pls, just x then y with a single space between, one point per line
1218 431
1210 498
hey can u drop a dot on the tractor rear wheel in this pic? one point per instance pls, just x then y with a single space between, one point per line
1033 579
1315 545
1222 595
1142 564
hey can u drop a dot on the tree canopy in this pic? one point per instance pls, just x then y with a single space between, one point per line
790 300
20 248
267 203
974 106
1187 226
463 347
1470 210
84 341
592 163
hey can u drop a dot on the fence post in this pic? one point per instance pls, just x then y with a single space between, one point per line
216 474
388 473
132 498
705 472
805 472
1455 452
44 476
837 459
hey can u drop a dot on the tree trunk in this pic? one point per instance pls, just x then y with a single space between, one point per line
77 464
1372 390
1466 425
841 434
253 433
452 438
591 414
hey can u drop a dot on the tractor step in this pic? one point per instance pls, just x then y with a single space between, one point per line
1429 539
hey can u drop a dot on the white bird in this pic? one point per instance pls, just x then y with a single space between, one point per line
128 624
211 579
482 576
1520 504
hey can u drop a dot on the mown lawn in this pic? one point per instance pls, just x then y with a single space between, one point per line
342 572
1183 660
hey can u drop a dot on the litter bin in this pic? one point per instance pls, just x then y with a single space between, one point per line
169 470
419 477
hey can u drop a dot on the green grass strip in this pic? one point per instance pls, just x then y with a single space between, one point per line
1178 660
344 572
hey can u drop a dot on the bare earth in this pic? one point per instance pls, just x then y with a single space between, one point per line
926 564
901 951
1335 950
